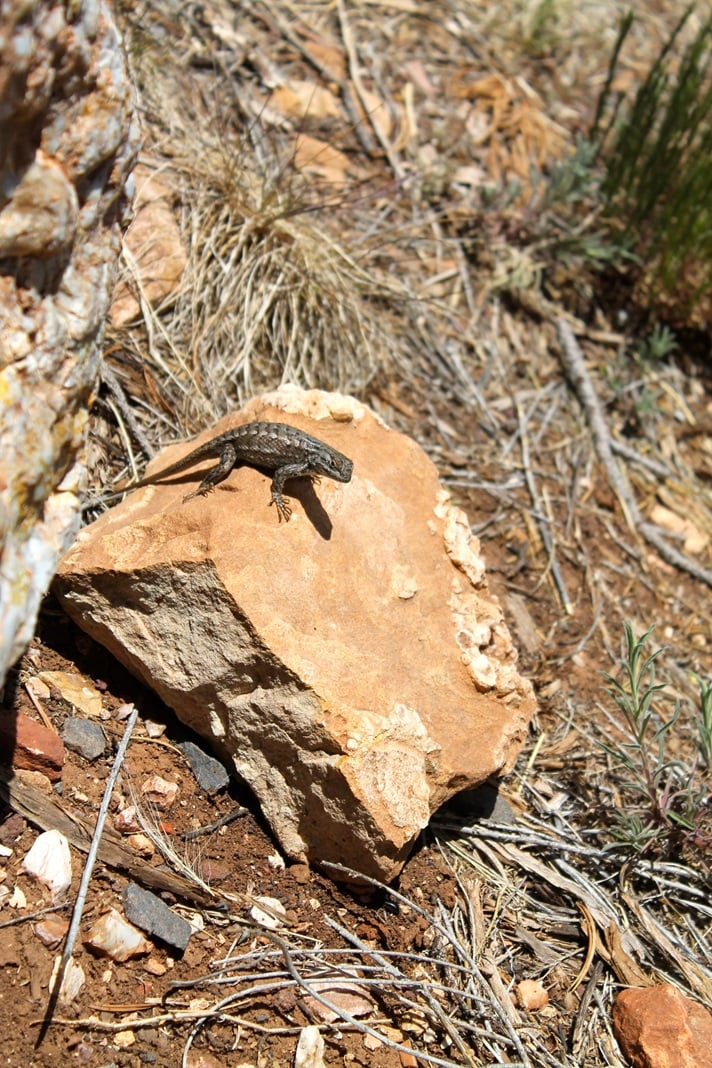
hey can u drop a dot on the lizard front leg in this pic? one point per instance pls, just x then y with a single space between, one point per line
228 459
298 470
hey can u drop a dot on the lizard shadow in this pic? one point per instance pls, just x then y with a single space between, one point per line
300 489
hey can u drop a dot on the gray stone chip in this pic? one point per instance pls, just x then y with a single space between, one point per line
84 737
209 772
149 914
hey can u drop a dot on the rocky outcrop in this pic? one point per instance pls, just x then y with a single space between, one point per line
66 149
351 664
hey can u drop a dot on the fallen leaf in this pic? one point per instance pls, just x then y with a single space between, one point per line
318 157
329 56
299 99
376 112
532 995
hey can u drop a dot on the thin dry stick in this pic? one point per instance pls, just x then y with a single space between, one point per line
541 520
391 970
218 1009
580 379
86 876
178 1016
342 870
112 383
585 391
652 534
40 710
350 47
661 470
584 1017
343 1014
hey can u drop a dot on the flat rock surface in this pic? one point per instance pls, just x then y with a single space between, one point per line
351 663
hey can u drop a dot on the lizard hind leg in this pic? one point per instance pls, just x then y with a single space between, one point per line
202 491
228 459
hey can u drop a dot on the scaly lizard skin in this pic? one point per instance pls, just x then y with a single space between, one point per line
276 447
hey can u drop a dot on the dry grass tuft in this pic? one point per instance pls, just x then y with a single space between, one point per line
284 282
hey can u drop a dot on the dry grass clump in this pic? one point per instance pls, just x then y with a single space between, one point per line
275 294
282 283
269 295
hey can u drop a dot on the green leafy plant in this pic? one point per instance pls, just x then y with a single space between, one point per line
657 151
542 32
661 342
571 205
562 225
665 798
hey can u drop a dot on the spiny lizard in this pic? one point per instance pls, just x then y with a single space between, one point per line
276 447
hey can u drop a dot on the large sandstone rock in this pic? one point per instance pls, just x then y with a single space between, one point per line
658 1027
351 662
66 147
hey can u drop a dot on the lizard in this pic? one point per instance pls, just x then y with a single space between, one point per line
282 449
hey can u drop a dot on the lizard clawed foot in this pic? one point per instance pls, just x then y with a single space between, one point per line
283 508
202 491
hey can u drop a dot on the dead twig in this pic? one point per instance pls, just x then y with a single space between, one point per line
112 383
578 375
542 521
652 534
86 876
461 953
350 46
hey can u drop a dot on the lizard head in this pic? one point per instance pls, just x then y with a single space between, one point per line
332 464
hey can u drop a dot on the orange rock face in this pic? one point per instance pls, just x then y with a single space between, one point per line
658 1027
351 663
27 744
